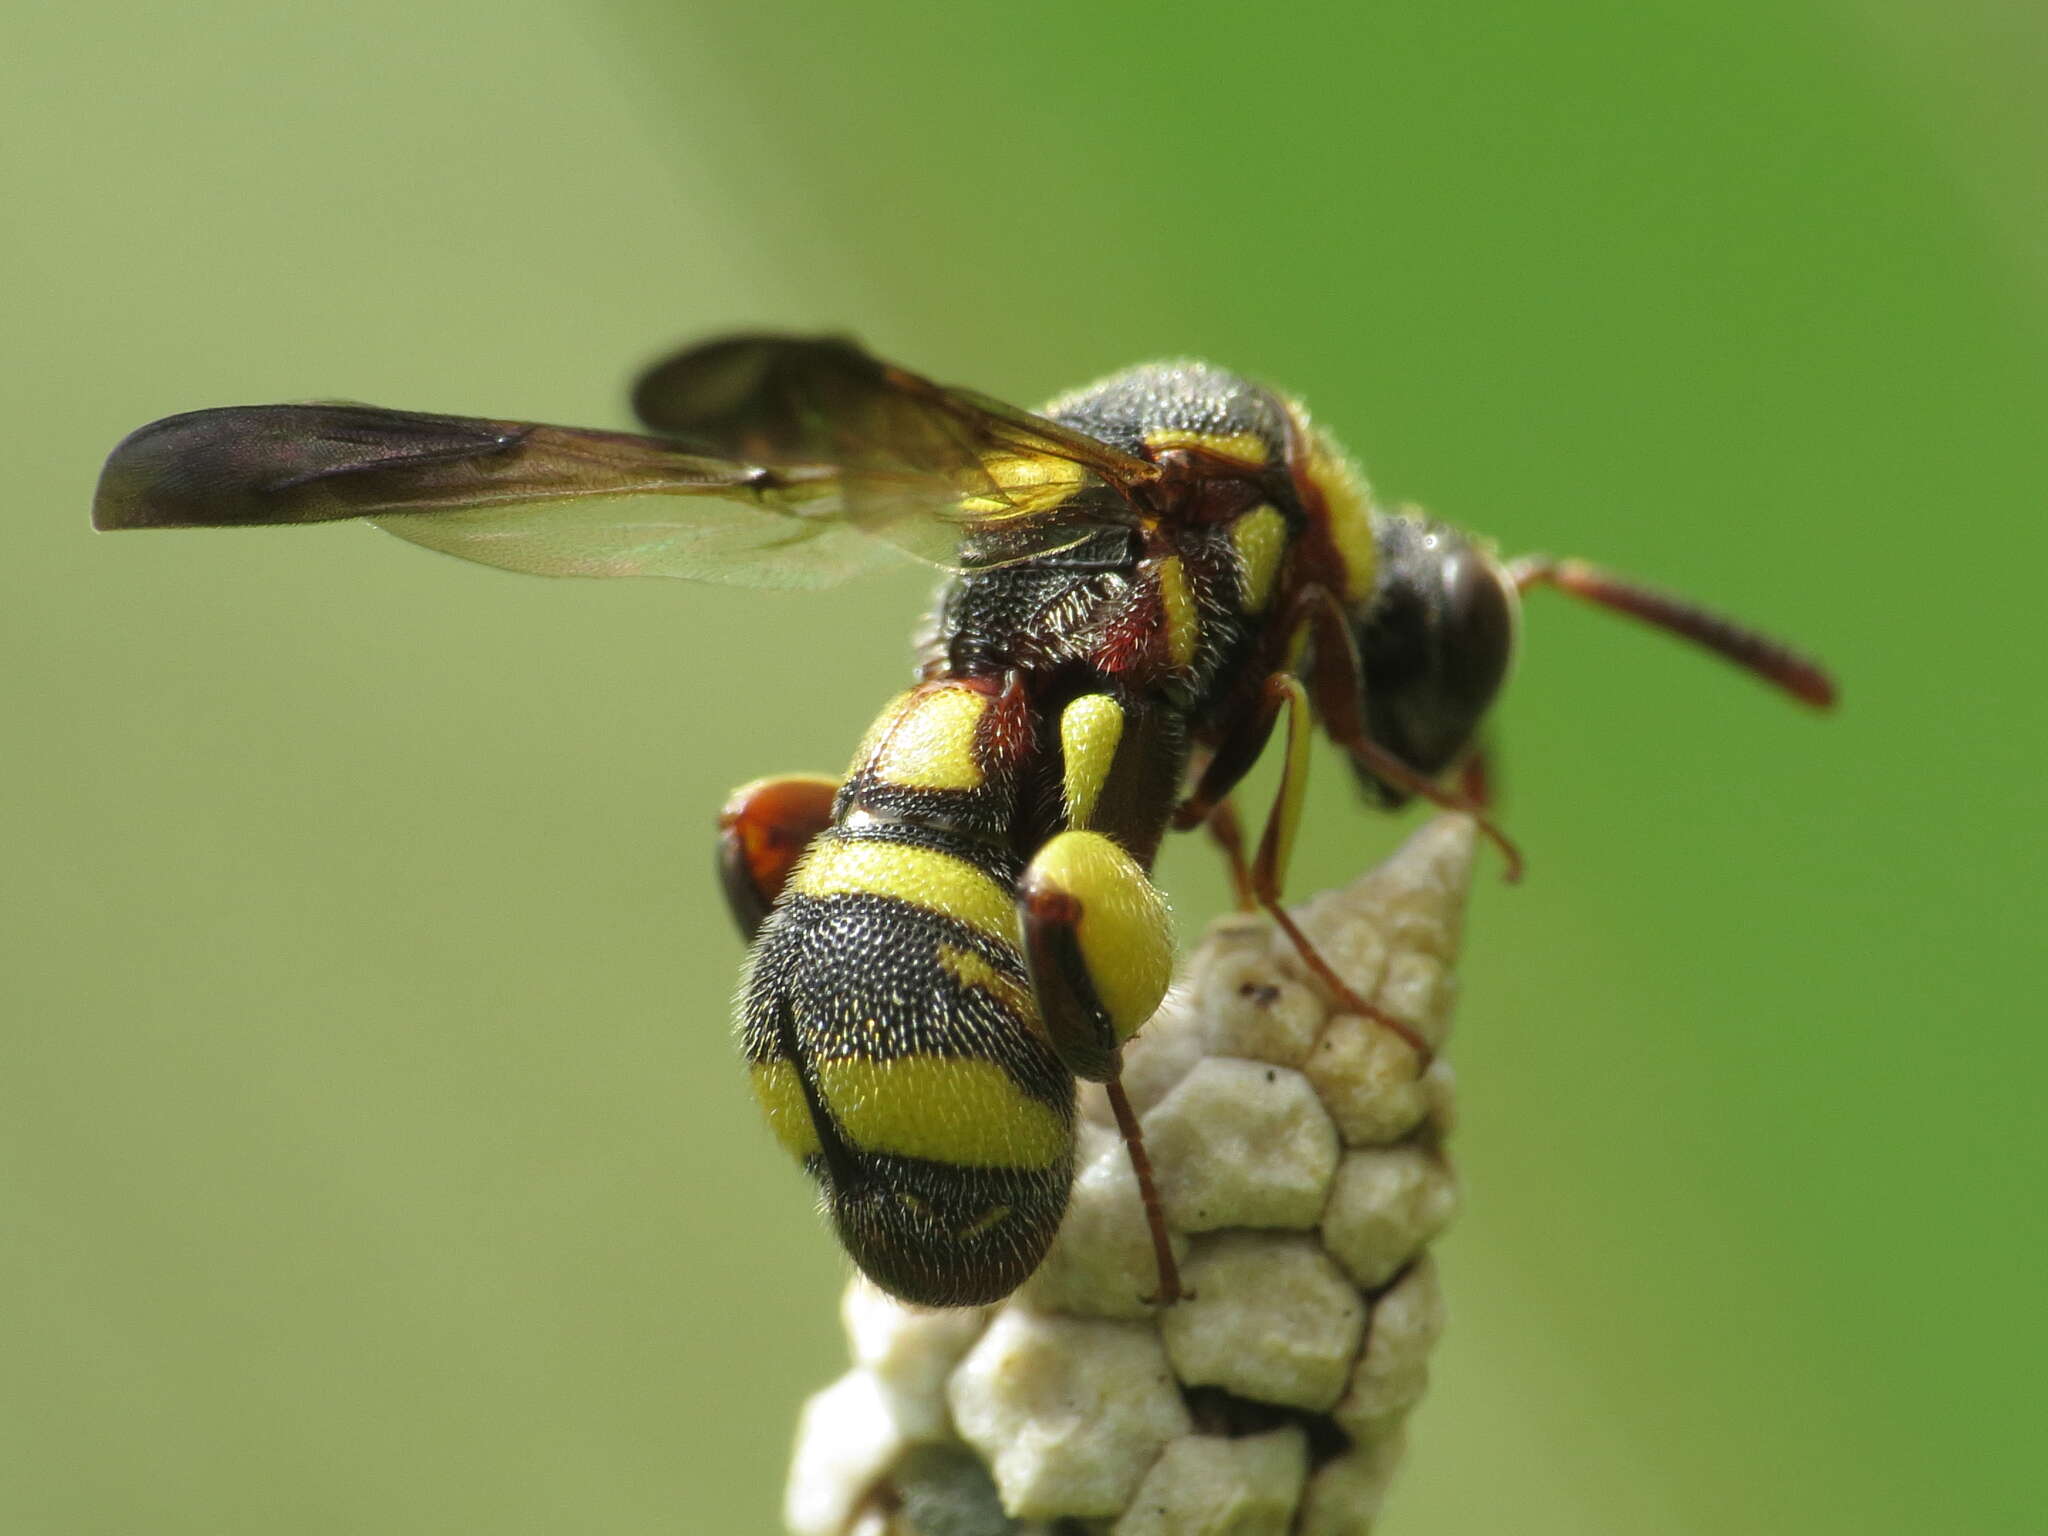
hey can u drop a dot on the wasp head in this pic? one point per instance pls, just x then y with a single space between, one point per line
1434 643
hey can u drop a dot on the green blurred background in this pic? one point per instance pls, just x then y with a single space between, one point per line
374 1155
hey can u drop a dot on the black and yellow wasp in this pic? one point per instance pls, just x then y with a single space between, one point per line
1143 580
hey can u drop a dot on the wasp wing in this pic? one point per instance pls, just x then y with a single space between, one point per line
918 464
784 462
555 501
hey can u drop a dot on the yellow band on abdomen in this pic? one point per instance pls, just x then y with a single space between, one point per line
924 877
950 1109
781 1096
929 740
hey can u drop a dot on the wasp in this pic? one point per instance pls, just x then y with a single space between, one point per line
1142 583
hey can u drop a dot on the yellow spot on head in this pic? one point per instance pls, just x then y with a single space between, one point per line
924 877
1183 620
1260 539
950 1109
929 739
1246 448
1090 729
781 1097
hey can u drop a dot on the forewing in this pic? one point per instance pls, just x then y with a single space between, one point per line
555 501
918 464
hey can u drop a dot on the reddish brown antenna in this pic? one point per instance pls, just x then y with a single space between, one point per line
1772 660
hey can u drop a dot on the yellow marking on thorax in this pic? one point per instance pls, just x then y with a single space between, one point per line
1090 729
924 877
928 742
781 1096
971 970
1183 620
1260 539
1025 485
1349 502
1246 448
950 1109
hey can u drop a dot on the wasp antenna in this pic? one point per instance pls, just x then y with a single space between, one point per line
1772 660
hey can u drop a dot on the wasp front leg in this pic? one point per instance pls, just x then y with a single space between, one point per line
1337 677
763 831
1098 942
1227 833
1265 878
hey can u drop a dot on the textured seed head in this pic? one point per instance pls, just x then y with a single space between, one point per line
1299 1155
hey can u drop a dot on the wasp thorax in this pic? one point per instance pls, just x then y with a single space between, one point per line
947 1235
1434 640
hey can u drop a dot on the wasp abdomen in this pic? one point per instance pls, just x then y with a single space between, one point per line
888 1022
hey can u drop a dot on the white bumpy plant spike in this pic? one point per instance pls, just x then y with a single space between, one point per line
1299 1154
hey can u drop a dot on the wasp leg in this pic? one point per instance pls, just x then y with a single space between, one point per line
1258 883
1337 678
1098 946
1242 744
1099 950
1227 833
1478 778
1208 802
1098 943
1265 880
763 831
1276 845
1170 1289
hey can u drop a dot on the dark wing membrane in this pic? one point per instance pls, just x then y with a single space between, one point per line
550 500
289 464
917 463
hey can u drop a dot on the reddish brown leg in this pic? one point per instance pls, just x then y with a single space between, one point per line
1170 1289
1228 833
1080 1028
1208 803
763 831
1244 740
1338 682
1052 908
1477 780
1348 1000
1262 883
1276 844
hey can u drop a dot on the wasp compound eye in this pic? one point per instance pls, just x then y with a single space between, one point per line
1435 642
